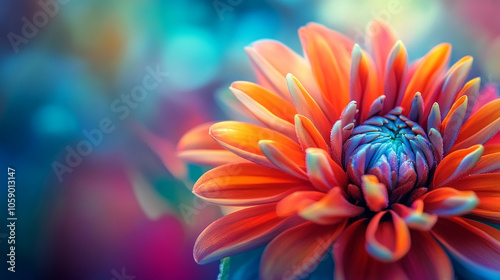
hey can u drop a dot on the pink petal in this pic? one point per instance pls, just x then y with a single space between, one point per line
323 172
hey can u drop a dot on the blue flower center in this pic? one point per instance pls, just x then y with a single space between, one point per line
394 149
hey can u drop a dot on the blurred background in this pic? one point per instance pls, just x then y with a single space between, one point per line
100 193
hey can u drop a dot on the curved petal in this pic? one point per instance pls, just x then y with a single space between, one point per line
328 66
452 122
243 140
196 146
425 77
307 106
449 202
238 232
387 237
475 247
270 109
297 201
415 217
352 261
488 163
456 165
305 246
480 127
284 158
272 61
330 209
323 172
453 82
247 184
308 135
395 77
375 193
381 43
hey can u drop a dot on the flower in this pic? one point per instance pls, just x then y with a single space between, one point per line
389 164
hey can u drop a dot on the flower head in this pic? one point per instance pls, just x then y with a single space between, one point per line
389 164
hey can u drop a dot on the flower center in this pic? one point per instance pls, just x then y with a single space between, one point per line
394 149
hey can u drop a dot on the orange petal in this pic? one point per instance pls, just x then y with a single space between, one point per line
480 127
323 172
247 184
426 74
457 165
387 237
395 77
309 136
471 90
453 82
306 106
197 146
415 217
352 261
381 44
270 109
238 232
243 140
331 77
297 201
305 246
330 209
452 122
364 85
375 193
449 202
472 244
272 61
285 158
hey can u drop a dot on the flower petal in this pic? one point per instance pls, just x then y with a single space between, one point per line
425 77
323 172
387 237
472 244
449 202
284 158
456 165
307 106
452 122
375 193
453 82
247 184
381 43
415 217
480 127
471 90
297 201
238 232
243 140
196 146
305 246
332 207
308 135
270 109
272 61
395 77
352 261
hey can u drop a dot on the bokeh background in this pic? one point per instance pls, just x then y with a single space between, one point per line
125 208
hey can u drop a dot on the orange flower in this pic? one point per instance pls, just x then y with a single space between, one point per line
358 151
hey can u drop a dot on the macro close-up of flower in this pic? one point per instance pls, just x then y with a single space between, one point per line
389 165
